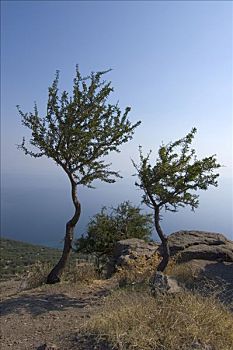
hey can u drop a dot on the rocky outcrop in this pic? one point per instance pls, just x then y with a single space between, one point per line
188 245
130 249
185 245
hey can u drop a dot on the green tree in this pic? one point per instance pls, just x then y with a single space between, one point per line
173 180
106 228
77 132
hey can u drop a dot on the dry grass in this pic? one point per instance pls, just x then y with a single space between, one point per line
36 275
192 277
136 320
138 270
184 273
84 272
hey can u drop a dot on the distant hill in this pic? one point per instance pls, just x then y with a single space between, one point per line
16 256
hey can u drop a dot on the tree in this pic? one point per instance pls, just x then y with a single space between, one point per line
173 180
77 132
105 229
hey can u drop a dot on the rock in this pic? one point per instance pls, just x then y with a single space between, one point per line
200 245
186 245
128 250
162 284
47 347
198 346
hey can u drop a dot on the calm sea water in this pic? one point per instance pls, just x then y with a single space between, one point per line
38 215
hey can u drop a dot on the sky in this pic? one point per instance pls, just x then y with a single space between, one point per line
171 63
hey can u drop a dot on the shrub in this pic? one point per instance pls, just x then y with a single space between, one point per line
106 228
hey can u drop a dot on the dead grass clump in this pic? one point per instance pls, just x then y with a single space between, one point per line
184 272
137 270
81 272
35 276
136 320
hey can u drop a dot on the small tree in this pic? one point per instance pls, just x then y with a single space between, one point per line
105 229
77 132
172 181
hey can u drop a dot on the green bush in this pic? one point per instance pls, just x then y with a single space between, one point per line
106 228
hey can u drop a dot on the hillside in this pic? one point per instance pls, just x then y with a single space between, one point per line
102 315
86 311
16 256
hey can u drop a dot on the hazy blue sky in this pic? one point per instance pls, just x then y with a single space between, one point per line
172 63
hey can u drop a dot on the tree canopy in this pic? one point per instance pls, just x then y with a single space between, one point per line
78 132
174 179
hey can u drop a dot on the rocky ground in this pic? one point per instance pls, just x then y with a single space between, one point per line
54 314
49 315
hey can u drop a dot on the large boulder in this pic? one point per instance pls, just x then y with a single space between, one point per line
188 245
128 250
134 253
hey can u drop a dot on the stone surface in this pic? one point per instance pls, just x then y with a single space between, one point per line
161 284
129 249
48 347
186 245
200 245
197 345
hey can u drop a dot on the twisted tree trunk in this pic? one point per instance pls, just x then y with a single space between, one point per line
166 251
55 274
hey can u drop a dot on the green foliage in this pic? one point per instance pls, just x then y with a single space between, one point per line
16 257
176 175
78 131
105 229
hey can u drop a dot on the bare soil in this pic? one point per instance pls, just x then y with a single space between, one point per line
54 314
51 314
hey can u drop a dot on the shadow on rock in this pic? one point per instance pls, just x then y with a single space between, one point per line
216 279
220 270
